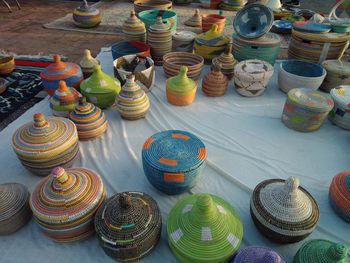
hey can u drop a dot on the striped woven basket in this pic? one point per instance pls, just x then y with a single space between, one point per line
283 211
204 228
340 114
65 202
339 195
14 207
129 226
215 83
257 254
173 160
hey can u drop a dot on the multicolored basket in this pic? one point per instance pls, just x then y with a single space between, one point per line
283 211
173 160
86 16
64 100
257 254
87 63
129 226
14 207
339 195
305 110
204 228
65 202
46 143
322 251
340 114
227 62
134 29
215 83
338 73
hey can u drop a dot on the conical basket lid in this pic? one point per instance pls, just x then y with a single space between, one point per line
131 96
65 95
204 228
181 83
257 254
59 70
133 25
226 58
322 251
159 26
88 61
66 196
87 114
86 8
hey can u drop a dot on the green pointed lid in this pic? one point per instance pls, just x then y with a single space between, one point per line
322 251
100 83
204 228
181 83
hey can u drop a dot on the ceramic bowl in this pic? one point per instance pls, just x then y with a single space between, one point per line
142 5
173 61
3 85
209 19
124 48
300 74
7 65
149 18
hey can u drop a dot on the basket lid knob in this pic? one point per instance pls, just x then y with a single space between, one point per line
125 200
292 184
39 120
337 251
60 175
62 86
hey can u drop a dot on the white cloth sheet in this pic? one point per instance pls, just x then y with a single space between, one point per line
246 143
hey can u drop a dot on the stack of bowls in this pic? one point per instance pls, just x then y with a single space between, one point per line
183 41
172 62
134 29
149 18
160 40
339 195
283 211
209 19
340 114
65 202
338 73
227 62
128 226
305 110
256 254
215 83
46 143
173 160
86 16
142 5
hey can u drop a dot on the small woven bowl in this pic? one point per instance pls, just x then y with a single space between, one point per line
209 19
173 61
7 65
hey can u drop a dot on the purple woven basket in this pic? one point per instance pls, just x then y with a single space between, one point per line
256 254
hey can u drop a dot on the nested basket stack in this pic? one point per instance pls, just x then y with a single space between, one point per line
173 160
14 207
89 119
46 143
65 202
215 83
339 195
340 114
283 211
134 29
257 254
338 73
204 228
322 251
160 39
133 102
129 226
227 62
64 100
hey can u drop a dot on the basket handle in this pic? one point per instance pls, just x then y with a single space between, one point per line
332 13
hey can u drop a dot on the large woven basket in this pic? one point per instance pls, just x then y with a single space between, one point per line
128 226
204 228
339 195
283 211
64 203
257 254
14 207
173 160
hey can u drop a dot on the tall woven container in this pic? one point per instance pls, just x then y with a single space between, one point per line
340 114
204 228
338 73
215 83
322 251
65 202
339 195
14 207
283 211
227 62
134 29
46 143
173 160
257 254
128 226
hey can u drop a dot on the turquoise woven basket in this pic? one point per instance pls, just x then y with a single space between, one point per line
149 17
173 160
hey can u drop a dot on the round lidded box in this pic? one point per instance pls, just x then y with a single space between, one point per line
204 228
338 73
339 195
128 226
46 143
14 207
283 211
305 110
257 254
340 114
65 202
173 160
215 83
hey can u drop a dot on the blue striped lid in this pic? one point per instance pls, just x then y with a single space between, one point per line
174 151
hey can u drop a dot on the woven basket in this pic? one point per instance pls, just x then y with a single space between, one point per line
256 254
338 73
283 211
173 160
14 207
215 83
134 29
87 63
339 195
89 119
204 228
64 203
46 143
142 5
227 62
128 226
322 251
86 16
340 114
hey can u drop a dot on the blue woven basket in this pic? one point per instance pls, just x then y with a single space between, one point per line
173 160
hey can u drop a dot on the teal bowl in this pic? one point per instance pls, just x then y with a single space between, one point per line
149 17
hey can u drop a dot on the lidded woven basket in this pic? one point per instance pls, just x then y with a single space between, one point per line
227 62
46 143
215 83
257 254
86 16
322 251
134 29
204 228
173 160
283 211
89 119
339 195
128 226
14 207
340 114
65 202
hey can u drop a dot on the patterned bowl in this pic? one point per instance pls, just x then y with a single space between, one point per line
124 48
7 65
